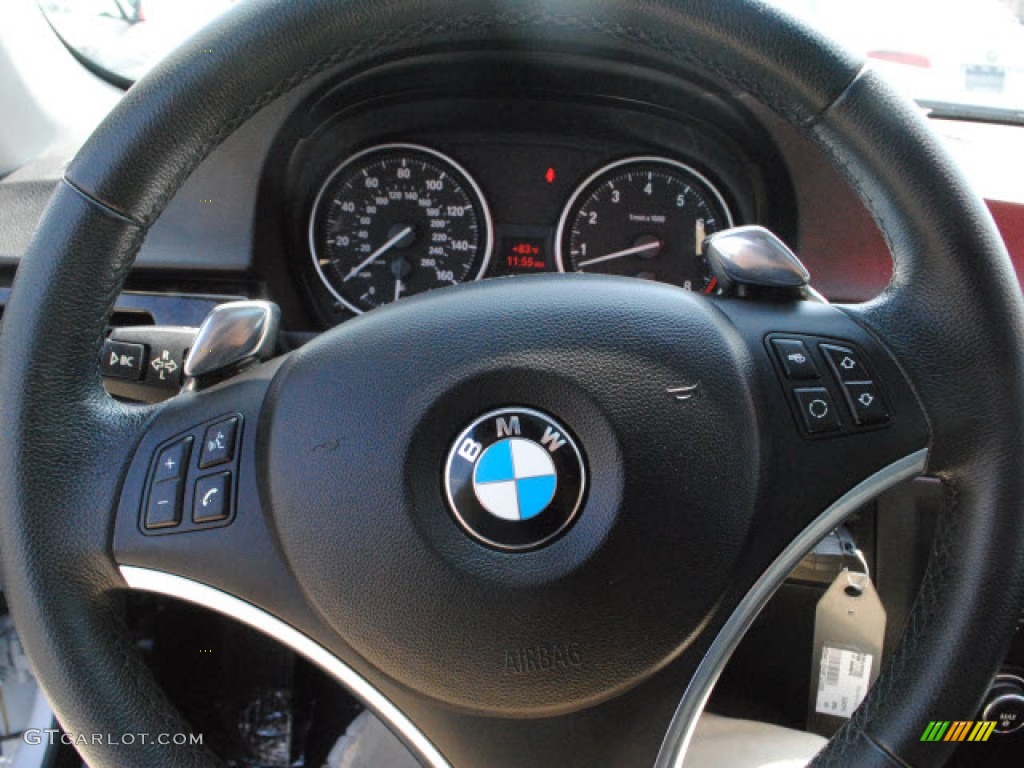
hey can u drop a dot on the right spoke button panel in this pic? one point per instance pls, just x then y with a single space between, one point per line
847 380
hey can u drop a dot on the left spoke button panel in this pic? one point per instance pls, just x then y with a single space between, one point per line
192 490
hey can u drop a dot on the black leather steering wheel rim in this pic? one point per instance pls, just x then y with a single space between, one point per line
952 314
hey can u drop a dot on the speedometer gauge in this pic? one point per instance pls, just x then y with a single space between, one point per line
397 220
644 217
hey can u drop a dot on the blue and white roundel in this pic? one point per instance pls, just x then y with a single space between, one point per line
515 479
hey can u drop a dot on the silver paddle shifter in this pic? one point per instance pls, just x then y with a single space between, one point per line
232 335
745 259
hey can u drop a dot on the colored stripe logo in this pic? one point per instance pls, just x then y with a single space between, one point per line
958 730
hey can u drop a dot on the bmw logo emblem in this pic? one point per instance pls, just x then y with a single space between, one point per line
515 479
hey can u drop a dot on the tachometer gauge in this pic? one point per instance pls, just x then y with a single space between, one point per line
644 217
397 220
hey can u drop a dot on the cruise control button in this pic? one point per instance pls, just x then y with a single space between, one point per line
795 359
219 443
865 403
164 509
845 362
120 360
173 460
817 409
211 501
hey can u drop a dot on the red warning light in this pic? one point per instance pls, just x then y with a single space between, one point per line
549 177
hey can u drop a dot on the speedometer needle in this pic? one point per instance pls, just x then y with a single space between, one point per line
377 254
620 254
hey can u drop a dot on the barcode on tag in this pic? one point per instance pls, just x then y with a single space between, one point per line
843 681
830 662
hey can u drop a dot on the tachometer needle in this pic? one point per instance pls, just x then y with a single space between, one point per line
377 254
620 254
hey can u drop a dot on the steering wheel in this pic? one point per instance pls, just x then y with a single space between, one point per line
600 645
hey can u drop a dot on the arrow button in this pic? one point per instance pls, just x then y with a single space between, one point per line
866 403
845 363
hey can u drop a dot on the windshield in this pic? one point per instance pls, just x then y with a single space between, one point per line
961 58
126 38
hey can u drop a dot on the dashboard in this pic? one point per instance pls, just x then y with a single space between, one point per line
547 162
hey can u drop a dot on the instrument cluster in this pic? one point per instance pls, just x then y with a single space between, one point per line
397 219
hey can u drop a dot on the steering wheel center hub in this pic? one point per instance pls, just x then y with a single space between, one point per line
606 530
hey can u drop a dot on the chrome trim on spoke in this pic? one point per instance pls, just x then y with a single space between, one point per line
680 730
147 580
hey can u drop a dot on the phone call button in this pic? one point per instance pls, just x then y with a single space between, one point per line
210 502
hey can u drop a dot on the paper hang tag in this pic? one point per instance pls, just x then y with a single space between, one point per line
849 630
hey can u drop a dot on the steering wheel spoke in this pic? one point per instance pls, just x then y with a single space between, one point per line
234 565
190 502
835 412
824 455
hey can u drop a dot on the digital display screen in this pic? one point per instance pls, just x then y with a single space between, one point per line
524 254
